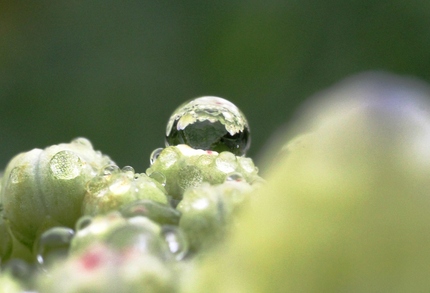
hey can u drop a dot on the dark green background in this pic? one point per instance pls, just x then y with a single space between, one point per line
113 71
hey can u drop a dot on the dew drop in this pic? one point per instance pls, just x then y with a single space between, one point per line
120 184
96 185
176 241
161 213
226 162
18 174
205 160
154 155
209 123
168 157
235 176
83 222
128 171
52 245
110 169
65 165
247 164
159 177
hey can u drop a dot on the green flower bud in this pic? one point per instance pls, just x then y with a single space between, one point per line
208 211
43 188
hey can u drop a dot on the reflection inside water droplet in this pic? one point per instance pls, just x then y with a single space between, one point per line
209 123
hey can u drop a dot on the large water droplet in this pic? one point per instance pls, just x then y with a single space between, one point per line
209 123
176 241
53 245
65 165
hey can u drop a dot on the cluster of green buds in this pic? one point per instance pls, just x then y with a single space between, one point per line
69 210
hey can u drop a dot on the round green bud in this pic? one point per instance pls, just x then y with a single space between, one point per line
43 188
208 212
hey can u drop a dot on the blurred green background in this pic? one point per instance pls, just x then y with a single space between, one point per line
113 71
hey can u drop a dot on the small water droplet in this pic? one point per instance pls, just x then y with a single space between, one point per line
120 184
18 175
168 157
52 245
209 123
235 176
226 162
176 241
205 160
128 171
83 222
83 141
247 164
96 185
110 169
154 155
159 177
65 165
158 212
189 176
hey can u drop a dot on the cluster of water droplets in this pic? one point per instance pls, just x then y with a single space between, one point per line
114 187
185 167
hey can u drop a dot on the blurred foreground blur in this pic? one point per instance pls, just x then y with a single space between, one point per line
346 206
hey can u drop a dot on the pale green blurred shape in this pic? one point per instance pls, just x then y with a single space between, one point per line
346 208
